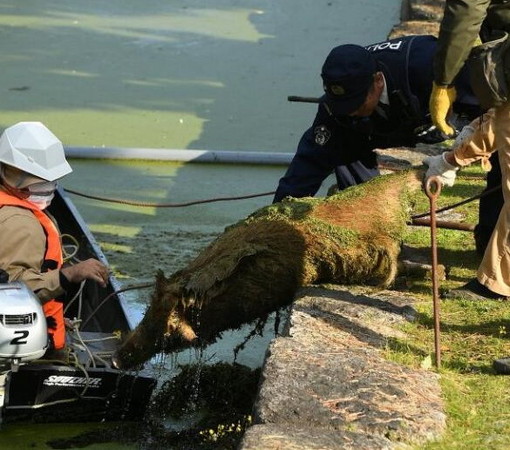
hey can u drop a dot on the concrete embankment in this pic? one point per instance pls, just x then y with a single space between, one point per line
325 382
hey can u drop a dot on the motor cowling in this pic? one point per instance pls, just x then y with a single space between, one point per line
23 330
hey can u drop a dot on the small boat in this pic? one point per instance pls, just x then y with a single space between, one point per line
83 386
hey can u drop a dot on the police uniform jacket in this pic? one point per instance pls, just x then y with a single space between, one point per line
333 143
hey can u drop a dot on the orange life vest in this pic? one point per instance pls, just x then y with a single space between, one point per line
51 308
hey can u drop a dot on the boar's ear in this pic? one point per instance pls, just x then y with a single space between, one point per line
160 275
160 283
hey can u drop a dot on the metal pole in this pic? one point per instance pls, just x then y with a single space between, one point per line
433 189
297 98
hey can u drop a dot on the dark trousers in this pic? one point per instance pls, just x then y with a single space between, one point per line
490 206
354 173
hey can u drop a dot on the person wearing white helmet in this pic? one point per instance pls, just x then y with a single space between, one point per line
32 159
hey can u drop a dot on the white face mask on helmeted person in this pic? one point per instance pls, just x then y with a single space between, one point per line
41 194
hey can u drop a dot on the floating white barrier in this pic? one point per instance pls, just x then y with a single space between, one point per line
198 156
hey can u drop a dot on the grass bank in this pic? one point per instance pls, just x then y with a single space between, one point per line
472 334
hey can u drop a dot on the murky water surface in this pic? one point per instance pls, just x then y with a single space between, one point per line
169 74
172 74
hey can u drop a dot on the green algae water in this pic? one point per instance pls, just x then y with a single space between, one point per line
172 74
169 74
44 436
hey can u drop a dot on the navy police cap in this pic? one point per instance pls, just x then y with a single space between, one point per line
347 75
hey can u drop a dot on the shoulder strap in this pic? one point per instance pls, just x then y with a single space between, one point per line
53 247
394 55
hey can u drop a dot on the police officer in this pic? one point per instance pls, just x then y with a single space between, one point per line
375 97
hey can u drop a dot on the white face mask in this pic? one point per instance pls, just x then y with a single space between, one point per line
41 194
40 201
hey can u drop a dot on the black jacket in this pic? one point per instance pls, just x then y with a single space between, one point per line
345 145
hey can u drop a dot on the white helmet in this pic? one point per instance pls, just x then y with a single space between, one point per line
32 148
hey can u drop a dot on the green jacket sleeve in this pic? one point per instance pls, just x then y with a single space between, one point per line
458 32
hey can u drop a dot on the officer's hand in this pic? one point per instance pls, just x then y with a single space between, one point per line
440 103
91 269
438 166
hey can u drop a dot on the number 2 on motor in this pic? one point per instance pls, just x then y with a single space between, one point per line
21 339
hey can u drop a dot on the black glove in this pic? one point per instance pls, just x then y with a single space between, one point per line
4 276
430 135
51 322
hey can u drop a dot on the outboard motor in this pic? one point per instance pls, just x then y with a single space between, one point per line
23 330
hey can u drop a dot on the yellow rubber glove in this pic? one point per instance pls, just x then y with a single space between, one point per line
441 100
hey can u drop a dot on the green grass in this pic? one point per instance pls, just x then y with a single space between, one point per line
472 335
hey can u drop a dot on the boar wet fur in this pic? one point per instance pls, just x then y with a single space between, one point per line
256 265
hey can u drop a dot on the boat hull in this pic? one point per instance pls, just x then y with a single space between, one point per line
52 393
79 384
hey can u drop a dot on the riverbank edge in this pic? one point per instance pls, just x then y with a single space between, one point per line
325 383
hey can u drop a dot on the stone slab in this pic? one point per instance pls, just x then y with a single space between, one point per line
327 376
